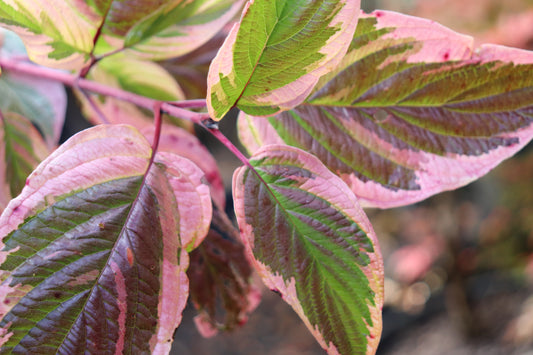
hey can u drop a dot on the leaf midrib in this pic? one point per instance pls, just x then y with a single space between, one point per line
265 46
311 249
120 235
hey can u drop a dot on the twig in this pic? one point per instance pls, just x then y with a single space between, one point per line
228 144
94 106
98 88
199 103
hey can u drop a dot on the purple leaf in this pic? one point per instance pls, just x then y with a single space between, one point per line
221 277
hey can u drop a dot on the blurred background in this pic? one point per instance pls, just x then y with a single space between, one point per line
459 266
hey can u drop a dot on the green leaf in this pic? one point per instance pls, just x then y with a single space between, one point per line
412 110
21 149
95 247
274 56
310 241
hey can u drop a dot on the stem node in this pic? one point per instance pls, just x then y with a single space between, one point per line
210 123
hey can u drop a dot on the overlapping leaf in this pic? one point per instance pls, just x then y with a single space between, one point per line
273 57
309 240
178 27
22 148
190 70
411 111
178 141
137 76
64 34
94 248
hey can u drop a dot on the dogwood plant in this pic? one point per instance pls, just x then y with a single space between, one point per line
105 237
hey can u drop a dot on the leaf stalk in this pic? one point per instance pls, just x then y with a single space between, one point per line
72 80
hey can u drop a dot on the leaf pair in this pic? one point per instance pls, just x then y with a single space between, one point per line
303 229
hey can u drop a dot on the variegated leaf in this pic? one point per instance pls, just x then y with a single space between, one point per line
309 239
178 28
65 33
411 111
21 148
43 102
95 247
190 70
57 33
274 56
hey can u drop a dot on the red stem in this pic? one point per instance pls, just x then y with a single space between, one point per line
229 144
68 79
199 103
176 109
